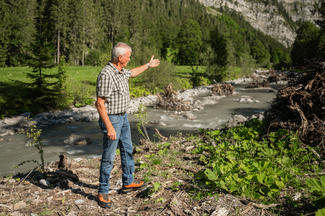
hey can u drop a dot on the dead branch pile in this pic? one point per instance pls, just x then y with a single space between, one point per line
257 84
301 105
273 78
169 101
222 89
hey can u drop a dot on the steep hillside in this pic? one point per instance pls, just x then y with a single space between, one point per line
277 19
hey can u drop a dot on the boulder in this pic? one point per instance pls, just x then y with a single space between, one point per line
190 116
14 120
75 139
234 121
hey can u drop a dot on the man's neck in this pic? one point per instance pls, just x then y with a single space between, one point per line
118 66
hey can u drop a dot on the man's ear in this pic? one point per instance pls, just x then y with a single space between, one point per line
120 57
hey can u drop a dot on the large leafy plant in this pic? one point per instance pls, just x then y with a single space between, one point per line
244 163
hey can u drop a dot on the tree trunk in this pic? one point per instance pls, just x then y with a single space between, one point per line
59 47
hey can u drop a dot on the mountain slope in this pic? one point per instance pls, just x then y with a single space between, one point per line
277 19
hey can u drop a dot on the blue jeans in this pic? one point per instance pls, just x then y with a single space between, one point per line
123 140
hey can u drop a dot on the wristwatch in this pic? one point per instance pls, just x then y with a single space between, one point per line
148 65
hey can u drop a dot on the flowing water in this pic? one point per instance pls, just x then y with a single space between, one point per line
14 149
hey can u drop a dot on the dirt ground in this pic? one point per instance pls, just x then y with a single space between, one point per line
168 168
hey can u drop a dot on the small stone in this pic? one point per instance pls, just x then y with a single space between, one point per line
1 139
190 116
10 140
32 214
19 205
79 202
44 182
162 123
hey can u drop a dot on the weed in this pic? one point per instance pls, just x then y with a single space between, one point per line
141 115
175 186
259 169
35 133
162 200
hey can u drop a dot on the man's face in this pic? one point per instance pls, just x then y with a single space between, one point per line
124 60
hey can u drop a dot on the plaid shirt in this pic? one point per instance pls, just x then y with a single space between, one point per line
115 87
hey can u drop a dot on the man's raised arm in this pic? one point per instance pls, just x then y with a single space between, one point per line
138 70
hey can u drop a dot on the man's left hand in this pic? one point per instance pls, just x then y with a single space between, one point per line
154 62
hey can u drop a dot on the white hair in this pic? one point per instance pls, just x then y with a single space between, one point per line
120 49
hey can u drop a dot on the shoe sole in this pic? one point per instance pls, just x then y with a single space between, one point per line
103 205
125 190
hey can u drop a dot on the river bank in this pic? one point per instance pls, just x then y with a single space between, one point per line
18 124
72 190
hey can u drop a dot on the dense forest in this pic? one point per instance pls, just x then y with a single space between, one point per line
42 34
84 30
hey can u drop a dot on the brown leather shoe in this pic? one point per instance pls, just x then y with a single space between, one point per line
136 185
104 201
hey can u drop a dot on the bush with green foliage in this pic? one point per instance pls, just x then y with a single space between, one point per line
305 43
257 167
93 58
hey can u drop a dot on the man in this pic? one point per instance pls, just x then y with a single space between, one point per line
113 91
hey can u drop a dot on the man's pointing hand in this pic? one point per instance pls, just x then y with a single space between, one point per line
154 62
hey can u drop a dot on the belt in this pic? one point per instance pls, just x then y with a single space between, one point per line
122 114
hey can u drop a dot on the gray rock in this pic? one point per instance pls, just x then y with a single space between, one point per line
75 139
44 182
14 120
32 214
190 116
87 119
162 123
26 114
29 143
3 133
234 121
43 114
96 115
87 108
79 202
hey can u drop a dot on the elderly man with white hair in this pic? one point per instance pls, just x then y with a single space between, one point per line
112 102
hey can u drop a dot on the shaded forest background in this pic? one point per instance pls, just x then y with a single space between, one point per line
84 30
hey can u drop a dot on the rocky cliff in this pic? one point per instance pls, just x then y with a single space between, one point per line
267 17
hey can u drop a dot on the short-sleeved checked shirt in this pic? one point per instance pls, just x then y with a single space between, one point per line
115 87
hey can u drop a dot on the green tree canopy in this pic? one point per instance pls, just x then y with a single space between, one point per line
259 52
305 45
189 42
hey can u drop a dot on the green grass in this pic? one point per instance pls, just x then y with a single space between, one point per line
76 73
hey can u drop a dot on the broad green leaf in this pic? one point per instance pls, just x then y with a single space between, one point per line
261 177
320 212
280 184
210 175
200 175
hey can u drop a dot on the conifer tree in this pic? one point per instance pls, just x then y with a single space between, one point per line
4 32
44 88
189 43
60 18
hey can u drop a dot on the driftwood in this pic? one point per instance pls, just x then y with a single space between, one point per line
169 101
300 106
257 84
163 138
222 89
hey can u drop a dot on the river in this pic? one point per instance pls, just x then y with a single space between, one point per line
14 149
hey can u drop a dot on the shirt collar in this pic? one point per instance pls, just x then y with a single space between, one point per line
115 69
